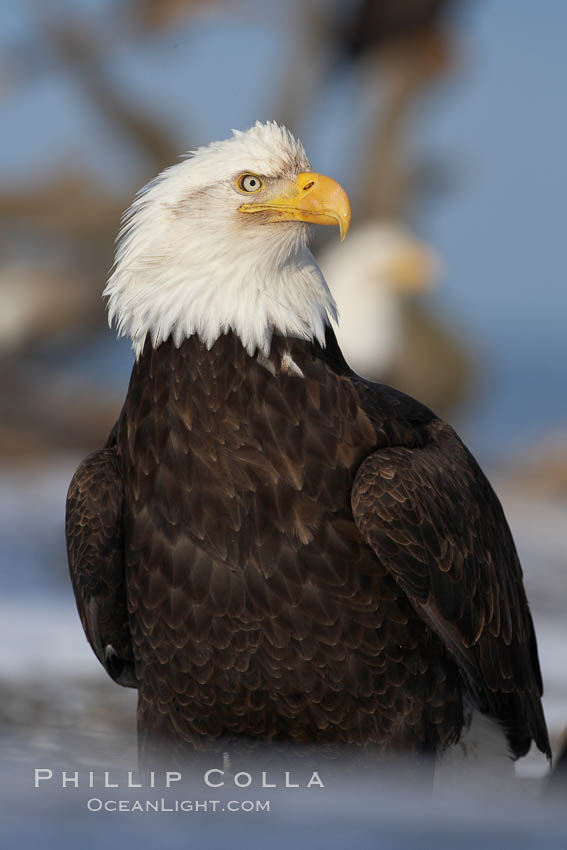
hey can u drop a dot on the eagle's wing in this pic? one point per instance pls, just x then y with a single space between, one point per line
434 521
95 549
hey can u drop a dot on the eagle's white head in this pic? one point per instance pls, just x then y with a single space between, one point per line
218 242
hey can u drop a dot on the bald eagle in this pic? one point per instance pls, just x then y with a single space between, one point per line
384 332
268 546
380 265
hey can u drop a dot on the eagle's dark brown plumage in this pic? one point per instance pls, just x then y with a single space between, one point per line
305 559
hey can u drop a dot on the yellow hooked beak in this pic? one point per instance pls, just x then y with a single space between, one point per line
316 199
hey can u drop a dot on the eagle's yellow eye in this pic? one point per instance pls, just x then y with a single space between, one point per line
249 183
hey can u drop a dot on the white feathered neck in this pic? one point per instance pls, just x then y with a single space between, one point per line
187 264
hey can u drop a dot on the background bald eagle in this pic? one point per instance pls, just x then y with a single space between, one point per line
369 277
269 546
386 332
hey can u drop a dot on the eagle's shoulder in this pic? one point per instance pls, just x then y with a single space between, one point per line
397 418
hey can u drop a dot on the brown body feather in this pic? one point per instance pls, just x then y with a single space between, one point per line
305 559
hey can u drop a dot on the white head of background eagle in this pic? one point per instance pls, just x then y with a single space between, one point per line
218 242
